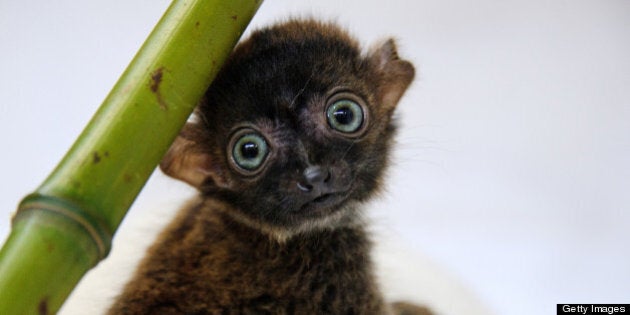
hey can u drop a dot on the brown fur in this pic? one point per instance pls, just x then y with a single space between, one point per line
271 239
244 272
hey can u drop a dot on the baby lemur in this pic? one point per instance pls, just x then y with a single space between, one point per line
288 142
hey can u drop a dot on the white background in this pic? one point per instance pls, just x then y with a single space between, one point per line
512 171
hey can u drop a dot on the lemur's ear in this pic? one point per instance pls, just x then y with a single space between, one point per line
396 74
186 162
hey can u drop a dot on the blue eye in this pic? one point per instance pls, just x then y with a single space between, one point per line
345 115
249 151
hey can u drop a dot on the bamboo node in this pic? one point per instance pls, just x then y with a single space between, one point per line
98 233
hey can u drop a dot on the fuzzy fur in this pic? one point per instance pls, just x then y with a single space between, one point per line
258 242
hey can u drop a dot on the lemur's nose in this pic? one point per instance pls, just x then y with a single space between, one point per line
314 176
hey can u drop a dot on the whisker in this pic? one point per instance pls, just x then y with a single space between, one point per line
303 88
348 149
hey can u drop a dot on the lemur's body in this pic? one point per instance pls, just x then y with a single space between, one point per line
290 139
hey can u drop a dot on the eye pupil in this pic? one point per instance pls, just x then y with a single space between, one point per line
343 116
249 150
346 115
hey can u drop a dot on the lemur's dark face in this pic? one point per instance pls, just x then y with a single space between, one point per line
296 127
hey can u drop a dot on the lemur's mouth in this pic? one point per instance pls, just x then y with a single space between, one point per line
324 204
322 198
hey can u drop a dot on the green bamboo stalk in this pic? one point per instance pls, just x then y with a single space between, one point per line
65 227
